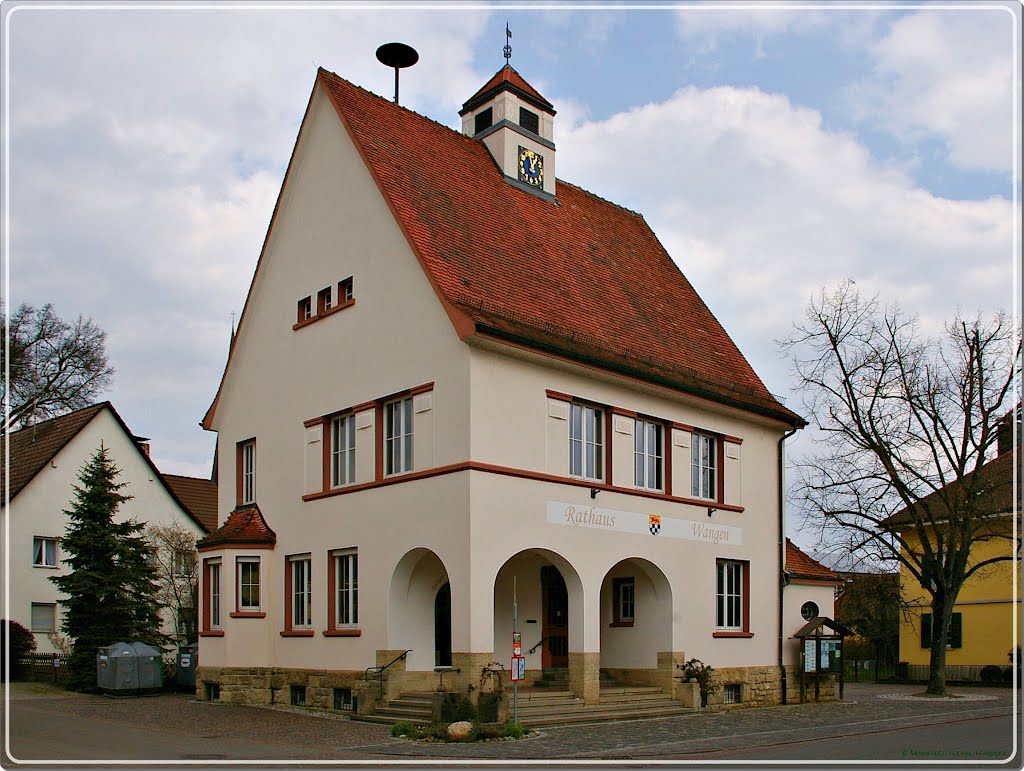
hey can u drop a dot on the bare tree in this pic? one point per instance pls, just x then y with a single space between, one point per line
174 553
906 424
55 367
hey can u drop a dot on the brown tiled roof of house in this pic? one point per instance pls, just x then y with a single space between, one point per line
992 484
581 279
33 447
244 525
507 77
800 565
199 496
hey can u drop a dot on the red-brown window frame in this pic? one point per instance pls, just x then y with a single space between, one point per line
207 629
744 630
240 472
304 309
332 596
289 630
238 612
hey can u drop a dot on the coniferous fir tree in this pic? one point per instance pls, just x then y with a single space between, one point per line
112 587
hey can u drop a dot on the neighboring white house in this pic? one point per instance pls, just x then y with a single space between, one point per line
457 382
45 461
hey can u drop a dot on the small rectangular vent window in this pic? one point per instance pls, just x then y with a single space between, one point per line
484 119
298 695
529 120
343 699
733 693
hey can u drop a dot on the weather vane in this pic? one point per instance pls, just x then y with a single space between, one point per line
508 38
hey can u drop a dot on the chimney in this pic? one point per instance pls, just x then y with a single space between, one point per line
1004 431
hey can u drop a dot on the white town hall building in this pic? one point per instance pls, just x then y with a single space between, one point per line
456 377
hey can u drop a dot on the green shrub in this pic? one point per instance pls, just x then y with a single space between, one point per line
456 708
434 731
991 674
695 669
19 641
489 730
404 728
487 709
514 729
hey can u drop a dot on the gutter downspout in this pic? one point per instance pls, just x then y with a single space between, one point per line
782 549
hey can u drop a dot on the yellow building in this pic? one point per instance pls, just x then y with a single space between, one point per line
989 604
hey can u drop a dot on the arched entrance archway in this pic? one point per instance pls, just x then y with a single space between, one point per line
549 596
415 609
636 620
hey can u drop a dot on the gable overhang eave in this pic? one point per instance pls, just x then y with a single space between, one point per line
486 332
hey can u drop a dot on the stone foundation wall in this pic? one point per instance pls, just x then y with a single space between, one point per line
762 687
265 685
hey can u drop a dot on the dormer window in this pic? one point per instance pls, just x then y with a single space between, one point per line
323 300
305 309
345 290
529 120
484 120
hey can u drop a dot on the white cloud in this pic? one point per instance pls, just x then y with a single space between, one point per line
760 205
148 147
947 73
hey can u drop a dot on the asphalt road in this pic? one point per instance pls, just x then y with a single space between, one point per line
875 723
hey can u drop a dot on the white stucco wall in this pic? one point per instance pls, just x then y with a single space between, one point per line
38 510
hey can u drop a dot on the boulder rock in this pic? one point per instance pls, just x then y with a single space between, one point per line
460 731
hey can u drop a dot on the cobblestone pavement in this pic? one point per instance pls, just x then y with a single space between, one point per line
301 735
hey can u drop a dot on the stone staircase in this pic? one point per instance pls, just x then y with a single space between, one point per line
552 704
414 706
539 708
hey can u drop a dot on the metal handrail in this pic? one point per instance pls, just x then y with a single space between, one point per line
379 671
535 647
441 671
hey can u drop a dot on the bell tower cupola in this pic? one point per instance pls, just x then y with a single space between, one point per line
516 124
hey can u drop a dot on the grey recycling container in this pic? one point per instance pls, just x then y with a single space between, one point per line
129 669
188 660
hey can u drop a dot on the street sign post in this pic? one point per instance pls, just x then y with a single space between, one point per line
518 668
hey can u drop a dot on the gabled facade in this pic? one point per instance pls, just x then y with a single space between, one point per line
45 460
455 385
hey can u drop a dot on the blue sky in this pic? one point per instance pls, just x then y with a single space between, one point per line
773 150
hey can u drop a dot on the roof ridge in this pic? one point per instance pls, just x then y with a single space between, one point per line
96 406
467 138
601 198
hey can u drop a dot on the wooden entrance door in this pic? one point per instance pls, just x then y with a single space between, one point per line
555 610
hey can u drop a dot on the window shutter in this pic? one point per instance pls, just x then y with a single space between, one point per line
955 631
926 630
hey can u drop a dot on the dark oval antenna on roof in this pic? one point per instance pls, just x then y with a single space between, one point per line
399 56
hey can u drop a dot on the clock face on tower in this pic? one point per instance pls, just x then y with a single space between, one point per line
531 167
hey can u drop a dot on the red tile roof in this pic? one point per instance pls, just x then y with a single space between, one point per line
580 278
244 526
199 496
507 78
801 565
33 447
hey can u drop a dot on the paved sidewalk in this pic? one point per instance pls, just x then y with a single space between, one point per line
181 728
